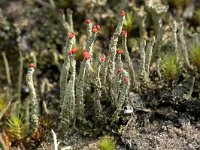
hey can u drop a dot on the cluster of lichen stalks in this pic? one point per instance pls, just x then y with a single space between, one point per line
114 80
111 76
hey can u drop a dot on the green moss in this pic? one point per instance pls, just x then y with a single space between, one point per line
170 67
195 55
16 127
107 143
129 21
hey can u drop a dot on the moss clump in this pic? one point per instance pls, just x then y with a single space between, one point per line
170 67
16 127
129 21
107 143
195 55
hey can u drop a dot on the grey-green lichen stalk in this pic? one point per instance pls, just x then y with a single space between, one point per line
146 60
34 103
141 18
66 66
158 62
142 60
105 69
119 63
149 50
128 59
184 48
112 47
174 30
91 43
80 106
68 106
158 42
85 67
124 88
89 28
157 10
117 78
92 35
98 87
67 23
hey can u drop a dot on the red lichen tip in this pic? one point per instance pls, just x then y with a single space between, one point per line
98 26
94 29
70 52
102 58
119 70
31 65
126 80
74 50
119 51
71 35
87 21
86 55
123 13
124 33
